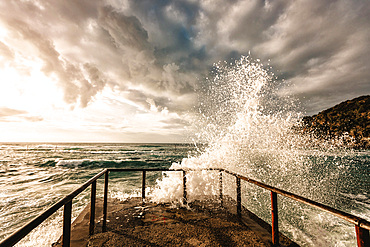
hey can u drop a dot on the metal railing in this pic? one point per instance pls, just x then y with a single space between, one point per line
362 226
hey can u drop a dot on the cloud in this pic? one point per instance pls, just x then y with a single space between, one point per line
14 115
175 123
69 75
93 83
321 47
6 52
34 118
126 31
161 50
6 112
79 71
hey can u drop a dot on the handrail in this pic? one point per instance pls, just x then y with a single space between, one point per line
21 233
362 226
67 203
346 216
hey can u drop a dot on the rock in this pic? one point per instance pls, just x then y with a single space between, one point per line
349 120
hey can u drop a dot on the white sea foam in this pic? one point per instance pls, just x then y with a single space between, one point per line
73 163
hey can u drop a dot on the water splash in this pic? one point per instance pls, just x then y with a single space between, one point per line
246 125
250 129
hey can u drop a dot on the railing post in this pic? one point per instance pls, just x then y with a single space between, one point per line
363 238
105 205
238 198
220 190
143 187
67 224
274 215
92 208
184 186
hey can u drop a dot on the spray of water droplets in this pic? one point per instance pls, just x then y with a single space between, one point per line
251 129
245 124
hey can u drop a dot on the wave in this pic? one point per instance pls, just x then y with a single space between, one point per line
130 163
249 128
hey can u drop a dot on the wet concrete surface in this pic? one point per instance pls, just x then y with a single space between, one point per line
201 223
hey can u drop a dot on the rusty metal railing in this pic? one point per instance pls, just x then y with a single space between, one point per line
362 226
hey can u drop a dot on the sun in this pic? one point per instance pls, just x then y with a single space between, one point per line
24 86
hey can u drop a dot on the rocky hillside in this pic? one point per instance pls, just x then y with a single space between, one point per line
351 117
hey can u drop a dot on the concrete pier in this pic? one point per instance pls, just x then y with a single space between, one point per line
201 223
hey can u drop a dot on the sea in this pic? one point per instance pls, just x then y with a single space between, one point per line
34 176
245 125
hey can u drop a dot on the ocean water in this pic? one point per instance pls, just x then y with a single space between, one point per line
34 176
250 127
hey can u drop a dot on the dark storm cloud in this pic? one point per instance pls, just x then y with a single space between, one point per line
322 47
126 31
172 30
158 50
142 62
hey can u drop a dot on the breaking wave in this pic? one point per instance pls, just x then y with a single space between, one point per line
250 128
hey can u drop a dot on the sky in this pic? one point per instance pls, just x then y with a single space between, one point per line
129 70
